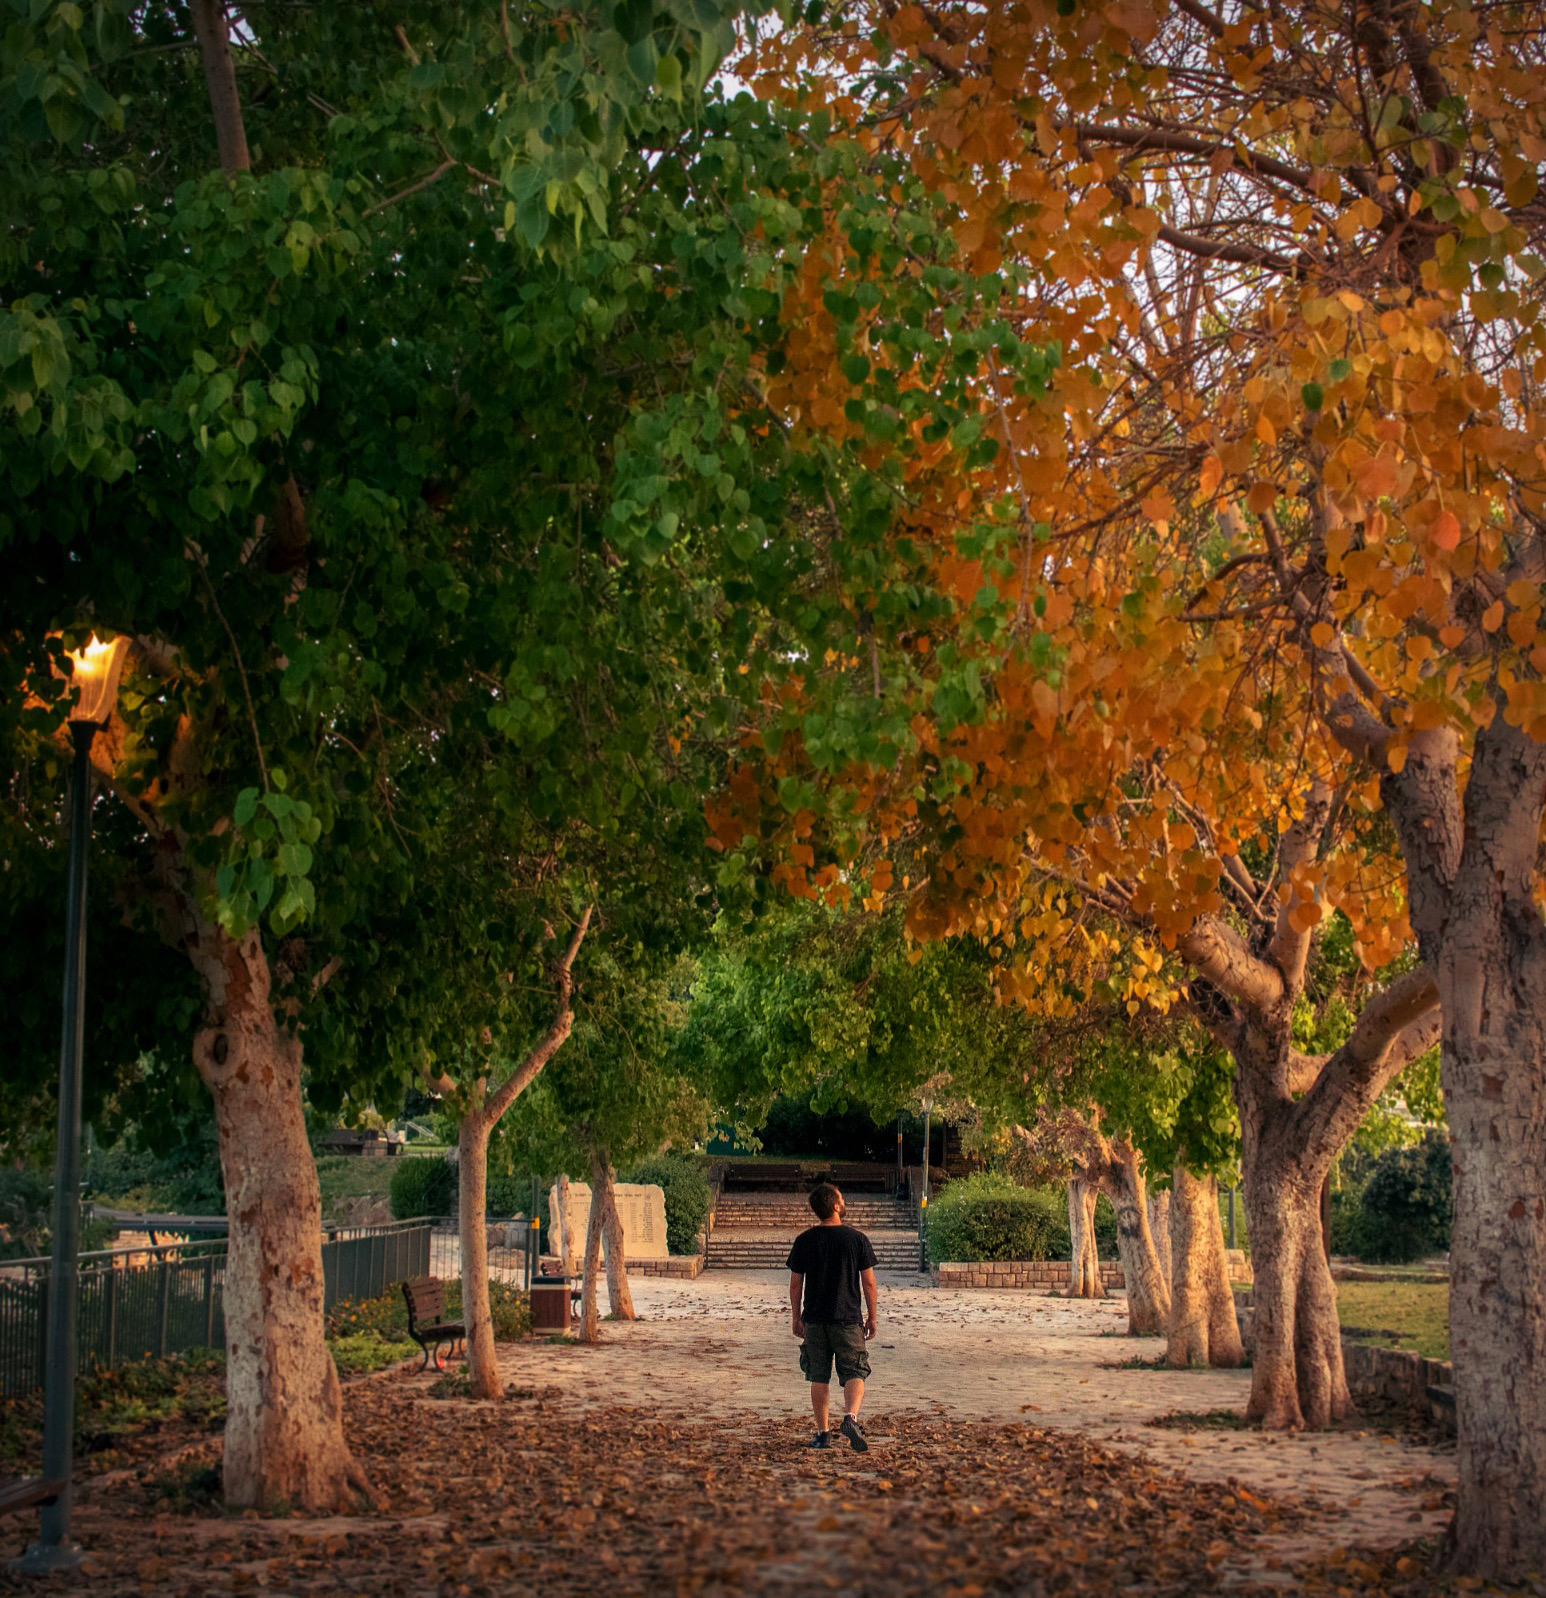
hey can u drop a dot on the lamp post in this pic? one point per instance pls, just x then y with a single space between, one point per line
97 668
923 1207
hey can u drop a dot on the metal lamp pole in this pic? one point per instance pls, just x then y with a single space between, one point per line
96 671
923 1208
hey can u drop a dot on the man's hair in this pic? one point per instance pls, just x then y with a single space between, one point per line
824 1200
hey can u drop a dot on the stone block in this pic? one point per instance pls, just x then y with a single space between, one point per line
641 1207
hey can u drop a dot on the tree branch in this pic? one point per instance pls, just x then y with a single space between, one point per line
1289 949
209 26
1216 951
1397 1026
552 1040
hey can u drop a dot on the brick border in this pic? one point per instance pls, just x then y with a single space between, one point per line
684 1267
1048 1274
1424 1387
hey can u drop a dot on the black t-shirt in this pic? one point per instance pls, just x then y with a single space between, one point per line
830 1259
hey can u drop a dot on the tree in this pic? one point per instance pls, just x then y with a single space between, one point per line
619 1096
1127 752
1293 258
434 465
481 1111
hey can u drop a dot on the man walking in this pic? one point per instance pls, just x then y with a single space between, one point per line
832 1262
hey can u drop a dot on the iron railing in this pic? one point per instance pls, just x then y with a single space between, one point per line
151 1302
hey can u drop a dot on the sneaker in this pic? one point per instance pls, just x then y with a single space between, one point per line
854 1432
820 1440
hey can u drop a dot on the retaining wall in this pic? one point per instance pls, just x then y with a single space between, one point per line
1386 1375
1048 1274
682 1266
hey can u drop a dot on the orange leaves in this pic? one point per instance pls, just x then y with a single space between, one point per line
1445 531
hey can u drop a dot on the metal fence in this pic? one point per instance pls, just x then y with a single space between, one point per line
140 1303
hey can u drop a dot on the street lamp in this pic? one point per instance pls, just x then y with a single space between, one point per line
95 676
923 1207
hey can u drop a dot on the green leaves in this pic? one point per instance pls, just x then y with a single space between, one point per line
267 862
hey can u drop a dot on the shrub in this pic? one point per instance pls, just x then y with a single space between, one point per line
1404 1210
687 1197
989 1217
423 1185
26 1213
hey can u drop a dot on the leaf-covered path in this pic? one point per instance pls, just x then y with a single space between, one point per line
1009 1356
539 1494
1009 1456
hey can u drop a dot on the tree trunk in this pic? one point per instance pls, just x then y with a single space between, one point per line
1159 1230
1203 1329
604 1192
564 1228
1494 1074
1084 1273
590 1309
1148 1299
1472 874
1297 1375
472 1230
284 1437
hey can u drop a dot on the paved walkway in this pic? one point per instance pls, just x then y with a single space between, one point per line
722 1343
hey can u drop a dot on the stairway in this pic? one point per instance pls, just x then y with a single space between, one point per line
753 1231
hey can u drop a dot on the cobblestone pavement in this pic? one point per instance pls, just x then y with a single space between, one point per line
722 1343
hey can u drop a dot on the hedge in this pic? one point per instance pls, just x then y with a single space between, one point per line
422 1185
687 1197
987 1217
1395 1208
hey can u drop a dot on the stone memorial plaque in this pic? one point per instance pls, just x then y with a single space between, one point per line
641 1207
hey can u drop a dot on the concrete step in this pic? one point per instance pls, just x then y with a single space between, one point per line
877 1217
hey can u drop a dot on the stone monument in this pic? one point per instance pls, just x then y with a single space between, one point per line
641 1207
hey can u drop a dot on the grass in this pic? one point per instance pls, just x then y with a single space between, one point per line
1212 1420
1409 1315
346 1177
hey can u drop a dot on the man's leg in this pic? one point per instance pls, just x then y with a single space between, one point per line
819 1391
853 1397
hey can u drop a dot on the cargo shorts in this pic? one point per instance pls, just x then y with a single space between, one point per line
825 1343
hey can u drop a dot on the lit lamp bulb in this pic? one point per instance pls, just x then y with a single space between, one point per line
97 669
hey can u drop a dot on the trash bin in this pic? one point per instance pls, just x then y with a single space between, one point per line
550 1304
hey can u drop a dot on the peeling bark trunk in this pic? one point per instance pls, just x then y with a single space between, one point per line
481 1114
604 1191
1494 1075
590 1309
565 1227
1297 1376
1084 1275
472 1232
1203 1329
1148 1298
1159 1230
1471 870
284 1437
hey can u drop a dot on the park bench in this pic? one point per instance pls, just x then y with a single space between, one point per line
764 1177
28 1492
426 1300
868 1177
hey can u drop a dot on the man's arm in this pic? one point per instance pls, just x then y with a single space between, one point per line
871 1300
796 1286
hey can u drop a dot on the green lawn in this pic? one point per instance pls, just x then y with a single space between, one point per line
346 1177
1411 1315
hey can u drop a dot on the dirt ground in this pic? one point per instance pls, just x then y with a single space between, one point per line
723 1342
1010 1455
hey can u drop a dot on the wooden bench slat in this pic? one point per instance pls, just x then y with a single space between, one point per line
425 1297
26 1492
